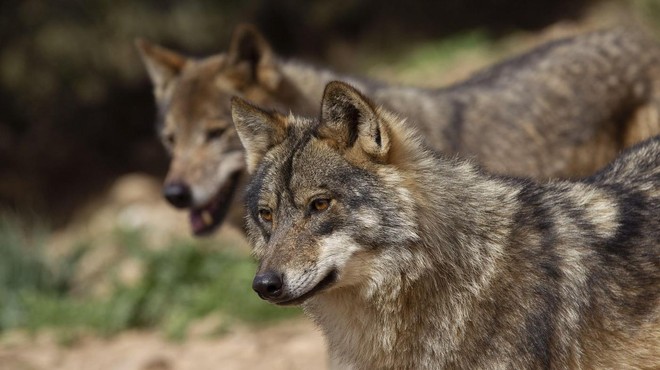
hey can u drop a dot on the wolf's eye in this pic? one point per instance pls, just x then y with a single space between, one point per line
214 133
169 138
320 204
266 215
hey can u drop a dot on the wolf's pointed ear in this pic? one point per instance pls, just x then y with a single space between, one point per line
162 64
349 118
259 130
251 58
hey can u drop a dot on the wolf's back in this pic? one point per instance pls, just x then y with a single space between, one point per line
636 169
564 109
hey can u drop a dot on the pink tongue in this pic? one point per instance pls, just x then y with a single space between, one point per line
196 221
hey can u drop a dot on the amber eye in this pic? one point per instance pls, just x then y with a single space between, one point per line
266 215
320 204
214 133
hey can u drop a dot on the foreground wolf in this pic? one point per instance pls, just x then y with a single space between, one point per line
408 259
563 109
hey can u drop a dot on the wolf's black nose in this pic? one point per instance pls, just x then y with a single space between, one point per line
268 284
178 195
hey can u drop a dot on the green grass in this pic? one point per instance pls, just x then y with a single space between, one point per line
179 284
650 12
23 268
444 52
414 63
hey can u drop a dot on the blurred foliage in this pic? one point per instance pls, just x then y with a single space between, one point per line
74 46
649 11
24 268
428 62
177 285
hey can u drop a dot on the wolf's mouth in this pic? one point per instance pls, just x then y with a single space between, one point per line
204 220
325 283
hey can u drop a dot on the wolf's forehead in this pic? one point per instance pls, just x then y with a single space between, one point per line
312 164
196 98
284 160
275 174
281 165
200 97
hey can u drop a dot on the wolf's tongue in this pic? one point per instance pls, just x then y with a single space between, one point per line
197 220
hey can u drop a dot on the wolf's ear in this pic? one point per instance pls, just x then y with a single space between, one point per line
162 64
259 130
349 118
251 59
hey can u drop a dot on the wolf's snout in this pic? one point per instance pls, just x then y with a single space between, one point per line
268 285
178 194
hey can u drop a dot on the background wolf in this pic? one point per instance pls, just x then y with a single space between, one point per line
563 109
407 259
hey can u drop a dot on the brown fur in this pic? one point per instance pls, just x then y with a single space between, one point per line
564 109
422 261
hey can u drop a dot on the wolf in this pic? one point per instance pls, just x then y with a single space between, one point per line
410 259
563 109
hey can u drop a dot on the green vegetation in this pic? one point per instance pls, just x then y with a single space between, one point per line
435 63
178 284
649 10
24 269
442 53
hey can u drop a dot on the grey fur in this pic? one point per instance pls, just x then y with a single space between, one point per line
564 109
426 261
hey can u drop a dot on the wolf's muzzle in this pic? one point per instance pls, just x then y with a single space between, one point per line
268 285
178 194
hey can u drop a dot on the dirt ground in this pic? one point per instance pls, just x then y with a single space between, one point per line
289 345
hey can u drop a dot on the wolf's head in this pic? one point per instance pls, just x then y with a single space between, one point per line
193 98
326 196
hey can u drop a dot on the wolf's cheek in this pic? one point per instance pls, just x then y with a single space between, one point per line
257 238
368 218
335 253
259 250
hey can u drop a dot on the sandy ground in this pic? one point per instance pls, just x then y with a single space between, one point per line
290 345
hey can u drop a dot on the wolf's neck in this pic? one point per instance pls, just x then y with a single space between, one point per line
429 290
310 81
466 221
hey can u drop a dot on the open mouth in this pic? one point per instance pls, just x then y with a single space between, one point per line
204 220
325 283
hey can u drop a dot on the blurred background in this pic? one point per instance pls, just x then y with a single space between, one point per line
96 271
